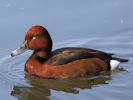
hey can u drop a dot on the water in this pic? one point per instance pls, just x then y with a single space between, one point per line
104 25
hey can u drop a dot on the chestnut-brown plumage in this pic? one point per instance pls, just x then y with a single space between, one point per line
61 63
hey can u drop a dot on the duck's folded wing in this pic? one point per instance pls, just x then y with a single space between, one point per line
67 55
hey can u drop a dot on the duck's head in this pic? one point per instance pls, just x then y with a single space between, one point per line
38 39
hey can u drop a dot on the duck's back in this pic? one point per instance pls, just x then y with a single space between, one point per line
71 54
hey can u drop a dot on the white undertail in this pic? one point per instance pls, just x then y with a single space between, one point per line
114 64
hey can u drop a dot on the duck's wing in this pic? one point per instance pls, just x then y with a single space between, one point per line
67 55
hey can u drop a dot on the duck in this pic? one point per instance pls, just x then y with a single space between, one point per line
66 62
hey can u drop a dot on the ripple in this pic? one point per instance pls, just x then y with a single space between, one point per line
114 85
12 70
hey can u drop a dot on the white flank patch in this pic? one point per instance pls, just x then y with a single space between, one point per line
114 64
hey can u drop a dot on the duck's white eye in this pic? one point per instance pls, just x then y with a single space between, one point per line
34 37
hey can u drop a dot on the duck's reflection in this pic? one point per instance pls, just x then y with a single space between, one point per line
40 87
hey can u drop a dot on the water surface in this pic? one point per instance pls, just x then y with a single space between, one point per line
104 25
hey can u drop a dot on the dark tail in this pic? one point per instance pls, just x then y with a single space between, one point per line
120 59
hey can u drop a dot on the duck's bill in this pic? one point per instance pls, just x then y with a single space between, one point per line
20 50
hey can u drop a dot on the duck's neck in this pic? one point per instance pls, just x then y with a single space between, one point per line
36 61
38 58
42 54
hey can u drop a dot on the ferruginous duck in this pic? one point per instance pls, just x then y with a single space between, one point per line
65 62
